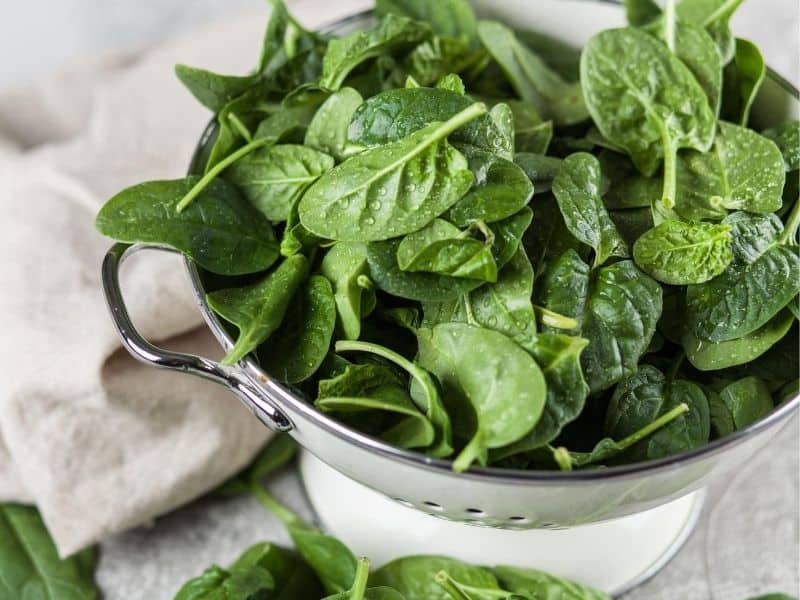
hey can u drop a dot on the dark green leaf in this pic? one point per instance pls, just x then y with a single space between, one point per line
577 190
30 563
531 78
220 231
296 350
787 137
327 131
452 18
343 264
712 356
538 584
743 78
414 576
258 309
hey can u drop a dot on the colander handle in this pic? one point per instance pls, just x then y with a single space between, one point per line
229 376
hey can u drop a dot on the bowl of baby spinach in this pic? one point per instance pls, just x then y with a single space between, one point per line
457 259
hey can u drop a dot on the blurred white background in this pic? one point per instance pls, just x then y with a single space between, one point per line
40 36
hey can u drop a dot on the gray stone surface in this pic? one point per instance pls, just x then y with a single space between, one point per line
745 543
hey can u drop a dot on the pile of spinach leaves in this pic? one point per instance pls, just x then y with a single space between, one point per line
485 246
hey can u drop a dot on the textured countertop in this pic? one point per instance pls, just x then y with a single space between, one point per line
746 541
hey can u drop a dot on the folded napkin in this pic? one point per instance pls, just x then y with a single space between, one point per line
99 442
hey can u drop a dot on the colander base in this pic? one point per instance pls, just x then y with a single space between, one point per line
613 556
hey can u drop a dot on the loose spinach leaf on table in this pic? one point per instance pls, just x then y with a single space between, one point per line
538 584
414 576
31 566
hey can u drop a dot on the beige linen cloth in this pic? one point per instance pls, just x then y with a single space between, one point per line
99 442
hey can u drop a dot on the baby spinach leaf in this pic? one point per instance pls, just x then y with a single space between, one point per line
441 247
342 265
632 223
390 190
255 582
480 371
712 356
371 387
298 347
616 309
431 287
752 290
739 405
327 131
752 234
214 90
787 137
743 171
531 78
743 78
359 590
577 190
344 54
220 231
424 392
540 169
651 106
273 178
714 16
531 133
538 584
680 253
559 357
641 12
394 114
414 576
31 565
332 561
608 449
258 309
504 306
437 58
644 396
452 18
500 189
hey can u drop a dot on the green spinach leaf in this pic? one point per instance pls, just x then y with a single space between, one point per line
221 232
31 565
258 309
390 190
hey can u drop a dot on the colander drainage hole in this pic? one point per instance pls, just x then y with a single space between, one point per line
519 519
433 505
476 511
